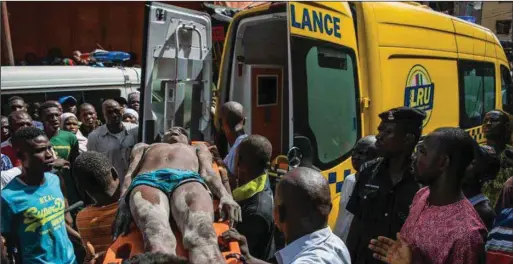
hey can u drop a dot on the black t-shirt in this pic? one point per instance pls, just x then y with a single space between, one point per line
257 224
379 207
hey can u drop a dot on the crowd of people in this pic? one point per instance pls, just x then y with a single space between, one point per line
72 185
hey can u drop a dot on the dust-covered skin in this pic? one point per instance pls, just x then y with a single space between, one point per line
190 203
150 209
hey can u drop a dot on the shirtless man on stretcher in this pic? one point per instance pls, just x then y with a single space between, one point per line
175 178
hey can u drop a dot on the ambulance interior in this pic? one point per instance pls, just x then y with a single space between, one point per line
259 77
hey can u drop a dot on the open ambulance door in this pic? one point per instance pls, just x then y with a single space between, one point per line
177 75
325 90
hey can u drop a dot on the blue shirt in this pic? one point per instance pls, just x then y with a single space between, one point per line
38 124
230 158
34 215
6 163
321 246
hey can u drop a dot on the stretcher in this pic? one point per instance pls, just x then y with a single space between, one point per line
132 244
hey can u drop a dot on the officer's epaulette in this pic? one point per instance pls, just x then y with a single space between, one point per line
371 163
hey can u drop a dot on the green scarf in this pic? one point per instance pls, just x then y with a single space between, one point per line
249 189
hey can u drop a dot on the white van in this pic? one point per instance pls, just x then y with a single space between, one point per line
86 83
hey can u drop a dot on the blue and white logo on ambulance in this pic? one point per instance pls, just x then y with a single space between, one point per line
420 91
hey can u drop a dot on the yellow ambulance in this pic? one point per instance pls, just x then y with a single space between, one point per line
313 76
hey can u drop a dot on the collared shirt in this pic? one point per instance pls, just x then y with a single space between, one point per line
230 158
8 150
321 246
345 217
256 201
451 233
6 163
499 247
116 147
380 208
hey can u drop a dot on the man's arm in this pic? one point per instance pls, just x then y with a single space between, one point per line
226 202
133 169
207 171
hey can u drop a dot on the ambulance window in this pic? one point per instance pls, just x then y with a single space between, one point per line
506 90
477 92
325 92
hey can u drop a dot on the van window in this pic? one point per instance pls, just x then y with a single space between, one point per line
477 92
94 97
506 90
325 92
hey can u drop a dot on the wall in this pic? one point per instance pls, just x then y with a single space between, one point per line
39 26
493 11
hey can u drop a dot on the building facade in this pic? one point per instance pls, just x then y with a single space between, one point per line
497 17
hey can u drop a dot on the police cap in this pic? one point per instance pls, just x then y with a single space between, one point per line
403 114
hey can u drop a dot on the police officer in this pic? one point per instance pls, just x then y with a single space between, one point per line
386 185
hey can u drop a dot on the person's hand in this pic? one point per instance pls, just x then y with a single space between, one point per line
391 251
233 235
122 221
60 164
215 153
231 209
91 256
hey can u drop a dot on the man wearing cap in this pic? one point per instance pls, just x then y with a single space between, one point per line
386 186
69 104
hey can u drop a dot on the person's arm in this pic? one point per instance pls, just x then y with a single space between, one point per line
206 171
223 171
233 235
135 160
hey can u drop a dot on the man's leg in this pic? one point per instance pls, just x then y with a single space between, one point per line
150 211
192 209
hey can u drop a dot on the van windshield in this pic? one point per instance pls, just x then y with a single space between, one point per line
325 89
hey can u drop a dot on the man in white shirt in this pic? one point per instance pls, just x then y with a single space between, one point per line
115 139
301 209
363 151
232 123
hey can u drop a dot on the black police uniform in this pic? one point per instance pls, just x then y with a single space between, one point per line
380 208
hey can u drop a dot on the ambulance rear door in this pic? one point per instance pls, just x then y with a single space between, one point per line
325 88
177 72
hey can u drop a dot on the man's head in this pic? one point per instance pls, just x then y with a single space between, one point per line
6 134
56 104
88 115
483 168
399 131
50 116
17 103
176 135
232 118
69 104
363 151
112 112
444 154
253 158
496 125
95 174
34 110
122 102
302 202
19 119
133 100
33 149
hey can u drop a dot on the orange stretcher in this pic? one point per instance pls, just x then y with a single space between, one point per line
132 244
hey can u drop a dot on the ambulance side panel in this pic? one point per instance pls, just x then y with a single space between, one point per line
406 66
